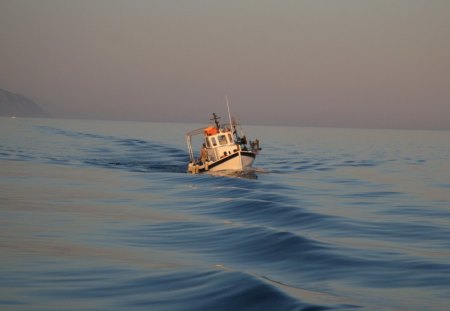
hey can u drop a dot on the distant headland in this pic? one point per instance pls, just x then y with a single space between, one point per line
17 105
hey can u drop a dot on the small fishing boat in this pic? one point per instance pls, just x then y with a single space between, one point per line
222 149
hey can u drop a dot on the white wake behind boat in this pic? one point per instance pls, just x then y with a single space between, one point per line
222 150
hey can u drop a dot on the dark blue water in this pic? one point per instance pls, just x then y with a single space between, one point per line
100 215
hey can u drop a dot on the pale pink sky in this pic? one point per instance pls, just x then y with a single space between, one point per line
346 63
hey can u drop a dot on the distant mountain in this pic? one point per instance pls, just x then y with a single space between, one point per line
12 104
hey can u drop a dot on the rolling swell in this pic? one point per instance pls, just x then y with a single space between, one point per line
281 254
262 229
336 220
161 290
107 151
141 156
273 205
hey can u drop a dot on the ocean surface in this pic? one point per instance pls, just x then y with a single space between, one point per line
101 215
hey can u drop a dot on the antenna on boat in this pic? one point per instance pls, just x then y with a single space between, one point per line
215 118
229 115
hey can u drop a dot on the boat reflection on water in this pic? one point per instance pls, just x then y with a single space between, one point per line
246 174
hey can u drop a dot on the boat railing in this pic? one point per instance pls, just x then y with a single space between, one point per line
189 141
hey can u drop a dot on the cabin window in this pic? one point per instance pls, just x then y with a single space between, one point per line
222 139
214 142
207 143
229 138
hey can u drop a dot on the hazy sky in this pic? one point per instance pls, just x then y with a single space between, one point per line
346 63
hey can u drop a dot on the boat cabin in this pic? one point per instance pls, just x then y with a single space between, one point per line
219 143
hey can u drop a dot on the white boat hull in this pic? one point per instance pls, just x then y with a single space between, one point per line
233 163
238 161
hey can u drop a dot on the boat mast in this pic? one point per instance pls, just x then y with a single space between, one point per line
215 118
229 115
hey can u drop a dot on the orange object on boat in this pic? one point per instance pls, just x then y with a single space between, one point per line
210 130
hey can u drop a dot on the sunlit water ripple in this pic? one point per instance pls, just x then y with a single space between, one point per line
101 215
